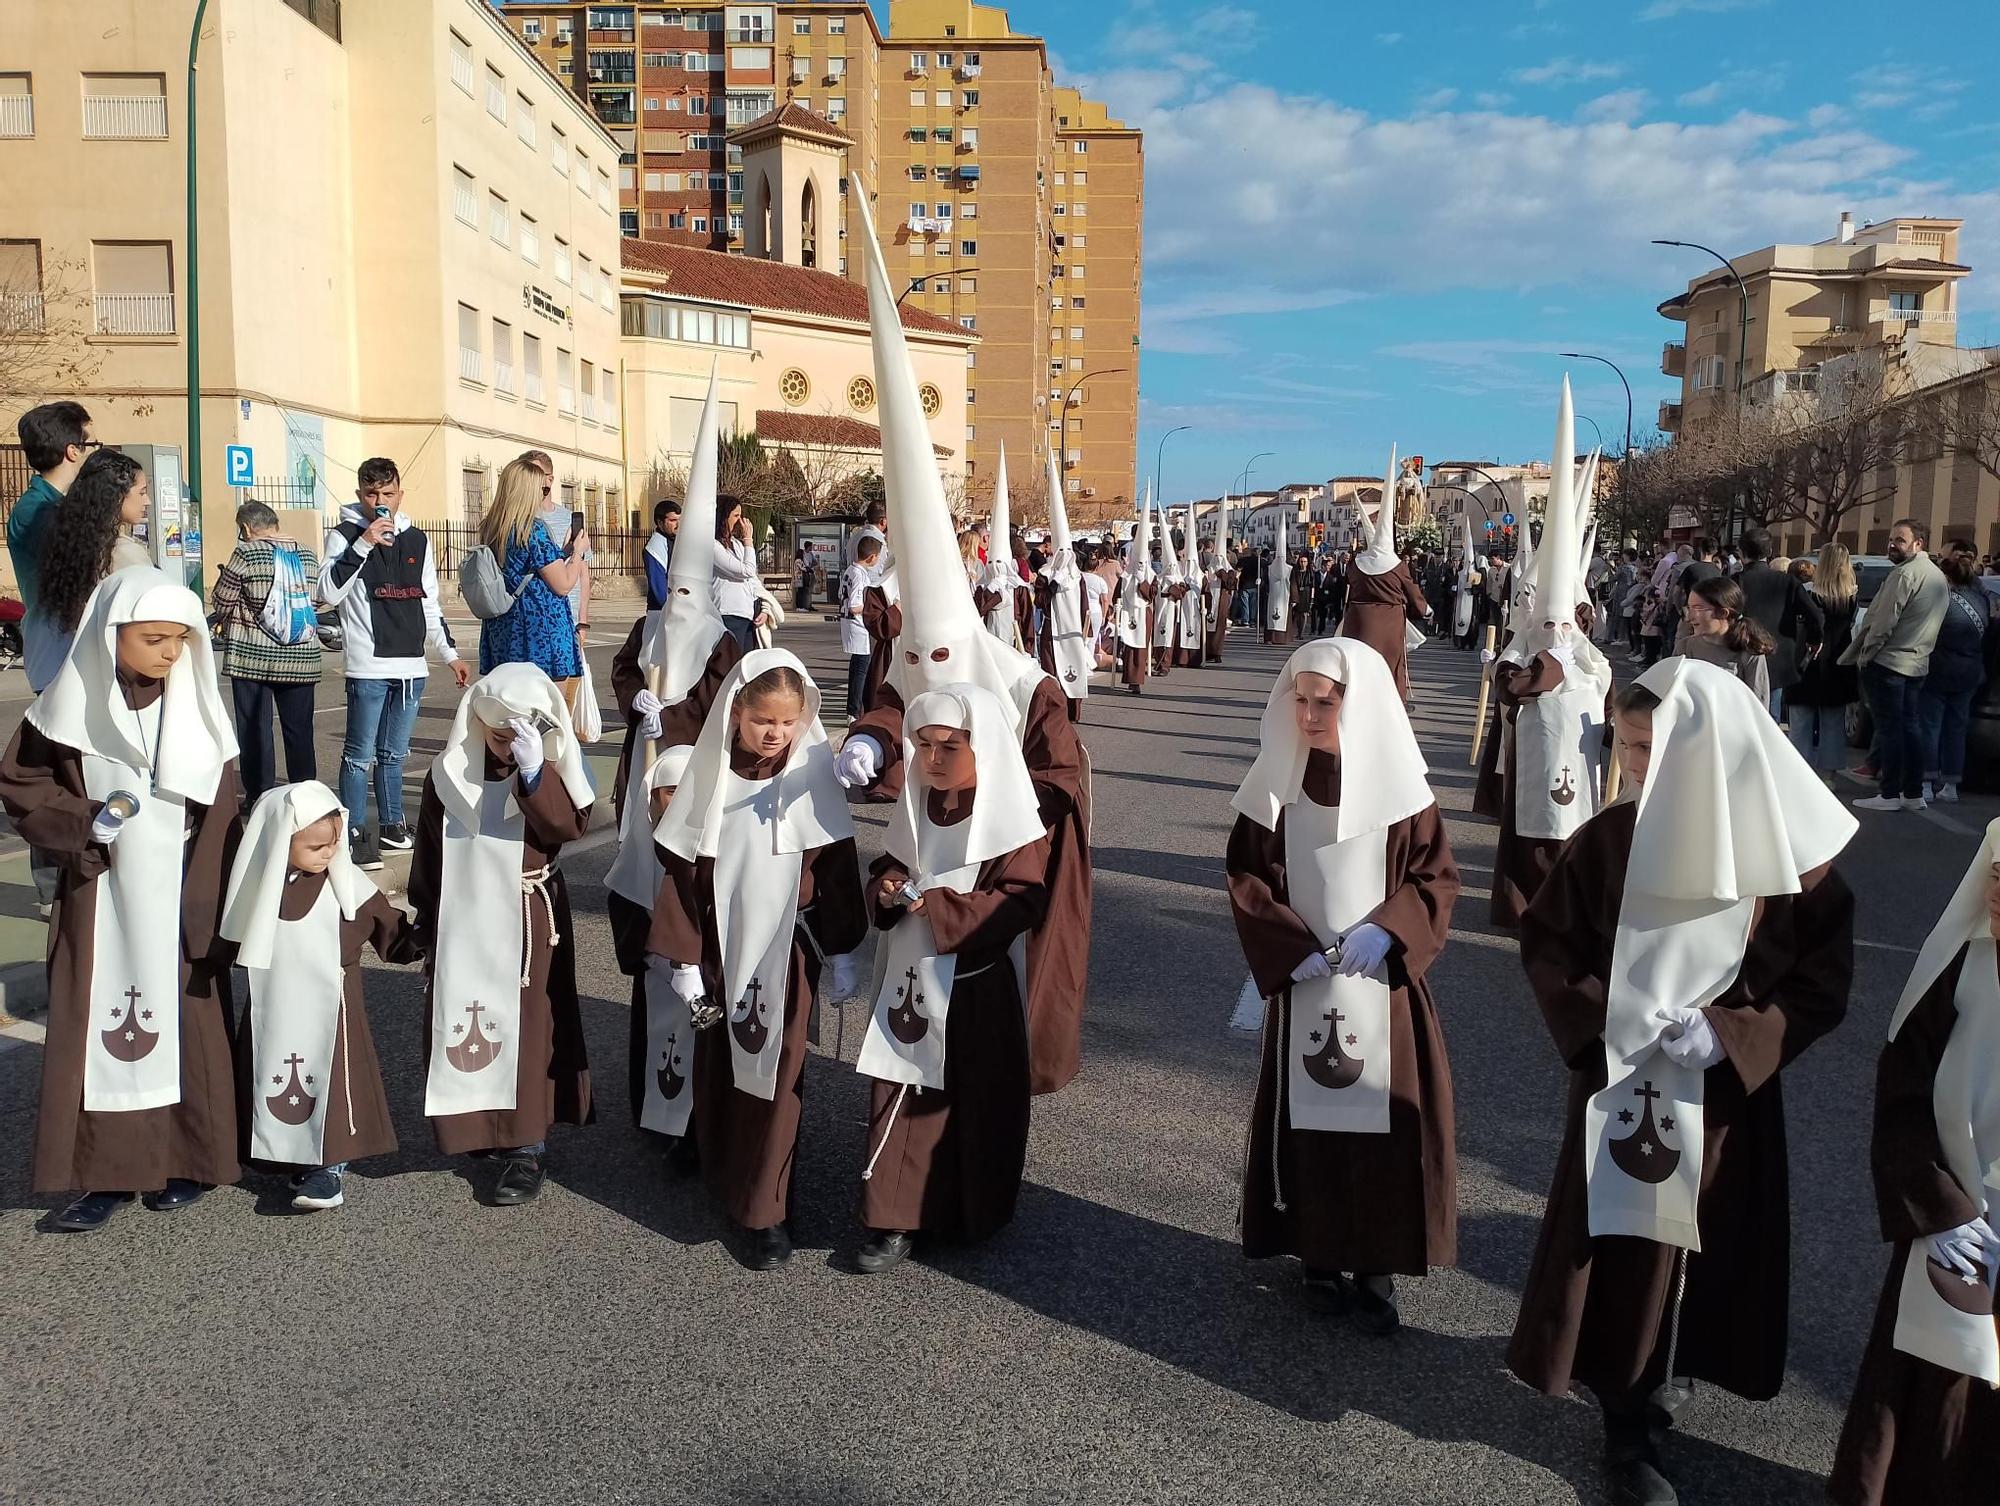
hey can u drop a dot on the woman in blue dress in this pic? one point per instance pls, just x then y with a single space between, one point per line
538 628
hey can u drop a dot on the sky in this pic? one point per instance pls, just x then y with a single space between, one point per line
1382 224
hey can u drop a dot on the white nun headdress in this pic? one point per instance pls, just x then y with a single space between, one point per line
83 709
1006 813
511 690
1964 919
811 805
1379 558
683 633
263 865
1381 768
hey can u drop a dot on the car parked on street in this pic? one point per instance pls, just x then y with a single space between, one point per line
1982 741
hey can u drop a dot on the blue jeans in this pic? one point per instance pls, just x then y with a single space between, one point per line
857 683
1820 735
380 714
1944 717
1895 702
742 629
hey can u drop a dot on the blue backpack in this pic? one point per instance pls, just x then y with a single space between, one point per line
287 614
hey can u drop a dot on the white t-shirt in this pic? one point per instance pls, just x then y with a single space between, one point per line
735 588
1095 589
854 580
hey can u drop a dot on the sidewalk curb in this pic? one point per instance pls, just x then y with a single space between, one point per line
24 991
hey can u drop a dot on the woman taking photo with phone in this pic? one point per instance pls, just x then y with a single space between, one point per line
538 628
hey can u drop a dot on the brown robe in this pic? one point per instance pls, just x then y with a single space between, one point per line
680 723
1166 655
1363 1204
1520 864
76 1150
951 1163
1134 664
1045 641
1917 1434
883 619
1022 609
553 1081
1225 589
1058 955
1598 1311
1377 608
749 1144
354 1082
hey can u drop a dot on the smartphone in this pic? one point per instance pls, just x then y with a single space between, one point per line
575 527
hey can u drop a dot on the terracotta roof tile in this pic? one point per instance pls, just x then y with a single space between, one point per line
782 427
759 284
792 116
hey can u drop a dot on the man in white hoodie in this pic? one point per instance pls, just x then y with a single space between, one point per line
380 572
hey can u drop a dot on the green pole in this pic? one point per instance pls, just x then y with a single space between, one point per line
193 472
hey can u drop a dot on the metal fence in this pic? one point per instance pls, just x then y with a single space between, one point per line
15 474
616 555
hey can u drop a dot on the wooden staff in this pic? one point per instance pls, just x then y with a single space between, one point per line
1485 691
656 680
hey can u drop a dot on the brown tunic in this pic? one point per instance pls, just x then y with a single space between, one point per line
1058 955
41 785
883 619
1917 1434
1520 864
553 1081
951 1161
1225 589
680 723
748 1144
1367 1204
1597 1311
1021 608
1135 663
1377 608
1165 654
357 1115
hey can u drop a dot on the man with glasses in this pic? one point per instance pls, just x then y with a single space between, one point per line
57 438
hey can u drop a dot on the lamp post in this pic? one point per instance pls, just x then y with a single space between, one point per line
1243 476
1069 397
1743 306
1584 355
193 521
1159 454
1593 428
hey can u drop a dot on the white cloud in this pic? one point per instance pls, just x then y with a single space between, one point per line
1707 94
1663 10
1621 107
1388 38
1487 99
1437 99
1564 71
1819 117
1218 28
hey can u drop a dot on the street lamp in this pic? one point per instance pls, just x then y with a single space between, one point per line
1159 481
1593 429
1584 355
192 473
1243 476
1070 397
1743 306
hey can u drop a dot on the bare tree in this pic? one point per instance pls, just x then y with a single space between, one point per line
46 316
1960 418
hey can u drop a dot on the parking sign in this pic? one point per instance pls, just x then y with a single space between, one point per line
237 465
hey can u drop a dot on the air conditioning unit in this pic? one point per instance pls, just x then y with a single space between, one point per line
800 68
920 71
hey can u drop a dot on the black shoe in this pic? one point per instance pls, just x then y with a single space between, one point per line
1637 1481
1372 1312
90 1212
520 1181
397 838
362 848
766 1249
178 1193
684 1156
1327 1292
889 1248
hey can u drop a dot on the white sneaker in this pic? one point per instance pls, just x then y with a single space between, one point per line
1917 804
1948 793
1877 803
1927 791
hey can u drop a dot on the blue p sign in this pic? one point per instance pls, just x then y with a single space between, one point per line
237 465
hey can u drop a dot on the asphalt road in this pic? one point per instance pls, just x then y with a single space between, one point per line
1111 1346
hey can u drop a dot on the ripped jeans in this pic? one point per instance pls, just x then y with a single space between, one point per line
380 716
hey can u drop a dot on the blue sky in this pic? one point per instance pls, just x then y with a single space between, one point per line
1370 224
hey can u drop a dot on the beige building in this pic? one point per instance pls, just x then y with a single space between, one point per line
1864 287
408 246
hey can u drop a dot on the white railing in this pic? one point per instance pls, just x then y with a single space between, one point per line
503 377
496 100
17 115
136 117
1916 316
134 313
461 70
532 388
499 226
524 127
590 406
469 364
566 399
531 246
464 205
562 264
21 313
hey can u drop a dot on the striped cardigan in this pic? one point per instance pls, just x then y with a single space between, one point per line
248 652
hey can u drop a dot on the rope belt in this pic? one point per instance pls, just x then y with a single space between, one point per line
534 883
888 1128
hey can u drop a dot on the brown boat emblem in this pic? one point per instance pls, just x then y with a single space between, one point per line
1565 791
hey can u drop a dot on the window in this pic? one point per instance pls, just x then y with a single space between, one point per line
944 60
1078 211
697 104
499 224
1905 303
1076 303
970 136
968 248
471 365
628 223
836 26
969 98
21 310
968 284
707 142
918 99
524 119
17 106
944 211
1076 332
503 356
567 66
562 261
607 406
559 151
918 173
701 224
125 107
586 384
914 133
746 107
580 173
565 385
750 59
836 67
531 367
531 241
655 220
942 174
919 61
802 26
604 200
717 182
1079 179
1058 209
464 202
531 29
461 62
944 99
1076 363
496 93
942 285
971 397
656 182
919 210
1079 241
968 210
132 287
967 321
940 133
1081 147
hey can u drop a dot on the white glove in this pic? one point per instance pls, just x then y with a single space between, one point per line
1487 656
526 748
846 980
686 982
860 761
1563 651
1959 1248
1363 950
104 829
1314 965
647 707
1690 1040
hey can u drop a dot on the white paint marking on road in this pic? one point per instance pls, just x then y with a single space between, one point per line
27 1032
1886 946
1940 819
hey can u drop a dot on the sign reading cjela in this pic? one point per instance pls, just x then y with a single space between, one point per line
534 299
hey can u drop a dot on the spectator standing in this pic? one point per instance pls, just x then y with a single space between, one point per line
378 569
1701 566
1816 706
88 537
560 522
1620 604
736 584
854 642
1957 670
263 672
56 438
538 628
1893 651
1784 609
1721 632
660 552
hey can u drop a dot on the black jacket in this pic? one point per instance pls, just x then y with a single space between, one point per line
1788 612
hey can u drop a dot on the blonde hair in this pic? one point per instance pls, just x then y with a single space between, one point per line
1833 576
968 546
516 504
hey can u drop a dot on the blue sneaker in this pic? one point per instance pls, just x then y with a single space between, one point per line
317 1190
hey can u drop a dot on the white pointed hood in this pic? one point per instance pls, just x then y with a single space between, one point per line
1222 533
1000 574
1170 559
1060 542
943 641
1521 573
1465 565
1550 622
1139 550
1379 558
1586 508
1192 540
683 633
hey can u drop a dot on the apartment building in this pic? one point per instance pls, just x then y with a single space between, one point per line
1865 287
408 245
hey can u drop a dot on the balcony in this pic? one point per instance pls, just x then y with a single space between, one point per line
1673 359
614 76
1670 418
21 313
325 14
134 313
610 114
503 377
1882 314
135 117
471 366
17 116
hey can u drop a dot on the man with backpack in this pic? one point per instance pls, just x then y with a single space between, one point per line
380 572
262 607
